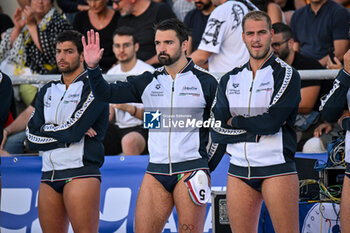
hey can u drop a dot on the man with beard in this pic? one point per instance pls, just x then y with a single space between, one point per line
68 126
261 98
177 93
125 132
196 20
311 90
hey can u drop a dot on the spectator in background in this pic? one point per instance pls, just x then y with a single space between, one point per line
6 22
104 20
5 100
14 134
289 6
71 7
196 20
182 7
142 15
125 133
271 8
222 46
29 47
321 25
308 117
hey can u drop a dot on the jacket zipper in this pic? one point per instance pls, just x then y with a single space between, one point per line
245 143
171 112
53 167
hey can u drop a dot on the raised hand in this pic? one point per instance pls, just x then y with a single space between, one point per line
18 20
92 51
29 16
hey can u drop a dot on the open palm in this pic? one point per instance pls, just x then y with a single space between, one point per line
92 51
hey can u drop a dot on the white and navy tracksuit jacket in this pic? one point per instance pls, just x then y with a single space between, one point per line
171 150
334 103
58 126
265 107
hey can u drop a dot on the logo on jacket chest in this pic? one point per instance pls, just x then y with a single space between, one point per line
72 98
234 90
189 91
157 91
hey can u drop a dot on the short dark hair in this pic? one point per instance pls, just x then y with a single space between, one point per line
284 29
125 31
179 27
257 16
73 36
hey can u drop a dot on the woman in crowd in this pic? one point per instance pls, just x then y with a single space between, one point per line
103 20
29 47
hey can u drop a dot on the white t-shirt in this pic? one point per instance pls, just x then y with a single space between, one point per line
223 37
124 119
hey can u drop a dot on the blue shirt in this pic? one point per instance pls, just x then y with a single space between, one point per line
316 32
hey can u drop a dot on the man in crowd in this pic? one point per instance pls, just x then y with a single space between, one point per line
142 15
221 45
319 26
196 20
308 118
125 133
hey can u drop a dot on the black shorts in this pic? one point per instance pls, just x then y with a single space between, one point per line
59 185
114 135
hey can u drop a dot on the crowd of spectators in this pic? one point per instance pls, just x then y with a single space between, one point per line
305 31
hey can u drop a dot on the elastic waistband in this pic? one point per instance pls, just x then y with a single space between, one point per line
181 167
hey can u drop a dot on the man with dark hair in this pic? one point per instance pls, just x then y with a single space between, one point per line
125 133
260 98
197 19
68 126
311 90
176 93
142 15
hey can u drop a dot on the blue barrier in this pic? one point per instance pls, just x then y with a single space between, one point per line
121 178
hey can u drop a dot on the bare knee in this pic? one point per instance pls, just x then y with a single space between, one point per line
133 144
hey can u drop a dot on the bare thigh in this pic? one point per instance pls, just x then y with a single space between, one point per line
153 207
191 217
243 206
51 211
82 201
345 206
281 195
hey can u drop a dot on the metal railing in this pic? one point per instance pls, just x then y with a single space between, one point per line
42 79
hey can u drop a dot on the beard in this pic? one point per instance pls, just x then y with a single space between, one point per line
284 54
168 60
70 68
259 56
202 6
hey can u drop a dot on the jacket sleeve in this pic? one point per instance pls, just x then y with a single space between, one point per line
221 112
332 104
282 109
118 92
37 140
5 100
85 115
